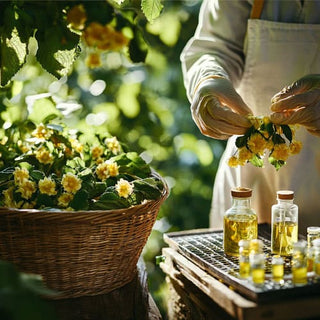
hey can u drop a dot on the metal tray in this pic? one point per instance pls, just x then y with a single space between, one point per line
205 249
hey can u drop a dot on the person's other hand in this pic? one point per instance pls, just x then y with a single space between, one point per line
299 103
218 110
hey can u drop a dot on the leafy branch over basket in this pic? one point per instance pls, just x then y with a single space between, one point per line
265 137
47 166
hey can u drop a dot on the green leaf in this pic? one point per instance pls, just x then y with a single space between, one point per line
80 200
57 50
287 132
13 54
241 141
277 139
137 47
36 174
276 163
151 9
110 200
148 187
256 161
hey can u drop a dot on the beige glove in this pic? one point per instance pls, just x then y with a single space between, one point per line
218 110
299 103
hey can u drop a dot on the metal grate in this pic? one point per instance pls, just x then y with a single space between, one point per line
206 250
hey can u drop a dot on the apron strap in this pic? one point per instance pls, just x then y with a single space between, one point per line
256 9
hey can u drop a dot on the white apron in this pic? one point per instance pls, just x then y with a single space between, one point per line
276 55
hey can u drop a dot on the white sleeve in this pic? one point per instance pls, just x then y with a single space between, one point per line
217 47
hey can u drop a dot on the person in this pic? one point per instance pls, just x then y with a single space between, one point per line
260 58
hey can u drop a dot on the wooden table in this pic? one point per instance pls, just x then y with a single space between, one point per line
130 302
197 295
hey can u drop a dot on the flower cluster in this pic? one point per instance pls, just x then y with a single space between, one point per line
265 137
48 166
96 36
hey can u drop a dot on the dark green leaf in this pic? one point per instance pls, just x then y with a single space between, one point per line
277 139
287 132
80 200
148 187
241 141
137 47
110 200
36 174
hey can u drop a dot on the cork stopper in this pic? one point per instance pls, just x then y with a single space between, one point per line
241 192
285 194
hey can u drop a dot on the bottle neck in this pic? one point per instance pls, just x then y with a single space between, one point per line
285 201
241 202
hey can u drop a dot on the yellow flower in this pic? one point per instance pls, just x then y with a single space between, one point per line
113 144
93 60
102 171
124 188
255 121
257 144
42 132
20 174
27 188
244 155
64 199
280 152
44 156
104 37
28 205
71 183
97 151
8 198
295 147
47 186
233 162
113 168
77 17
76 145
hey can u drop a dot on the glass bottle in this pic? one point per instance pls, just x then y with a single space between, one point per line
240 221
277 269
299 263
316 257
284 221
312 234
257 262
244 263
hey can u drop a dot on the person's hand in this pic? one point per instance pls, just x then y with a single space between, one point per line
299 103
218 110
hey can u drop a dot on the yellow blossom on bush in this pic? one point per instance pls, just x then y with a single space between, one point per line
8 198
47 186
64 199
124 188
20 174
104 37
244 155
94 60
76 145
102 171
44 156
97 152
42 132
27 188
77 17
113 168
71 183
113 145
257 143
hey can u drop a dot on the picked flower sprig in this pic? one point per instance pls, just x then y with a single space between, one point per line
265 138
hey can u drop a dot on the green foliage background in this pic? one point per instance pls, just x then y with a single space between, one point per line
143 103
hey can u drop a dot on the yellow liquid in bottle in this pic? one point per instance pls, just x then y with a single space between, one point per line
284 235
317 269
299 275
236 228
244 269
310 264
277 272
258 276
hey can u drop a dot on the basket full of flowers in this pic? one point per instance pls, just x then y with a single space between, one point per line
76 211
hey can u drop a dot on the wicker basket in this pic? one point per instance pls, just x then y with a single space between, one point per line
78 253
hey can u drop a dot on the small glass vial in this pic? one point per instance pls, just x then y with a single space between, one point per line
316 260
312 234
284 221
310 259
244 263
240 221
257 262
277 269
299 263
